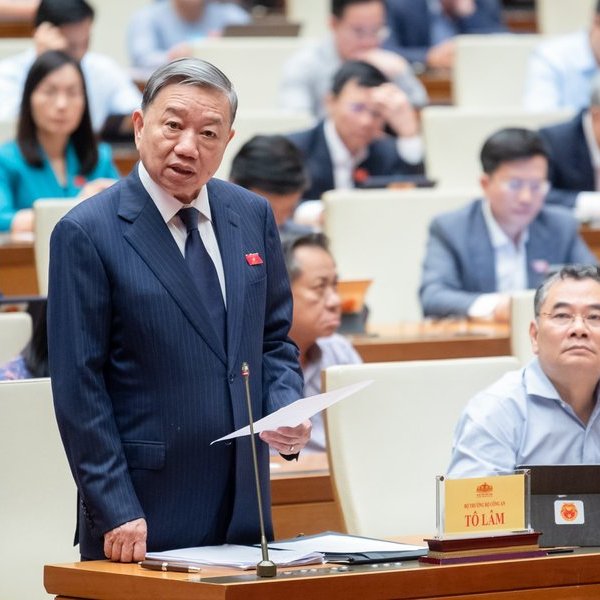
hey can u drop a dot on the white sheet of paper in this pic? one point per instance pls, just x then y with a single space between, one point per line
293 414
341 543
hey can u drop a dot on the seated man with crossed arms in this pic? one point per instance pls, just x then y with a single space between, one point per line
547 412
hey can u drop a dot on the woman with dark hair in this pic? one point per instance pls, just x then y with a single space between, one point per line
55 154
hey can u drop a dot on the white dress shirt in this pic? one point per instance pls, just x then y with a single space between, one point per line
168 206
511 266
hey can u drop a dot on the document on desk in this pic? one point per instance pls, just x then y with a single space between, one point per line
293 414
343 548
235 556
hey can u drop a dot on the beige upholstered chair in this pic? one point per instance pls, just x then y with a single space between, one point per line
489 69
312 14
37 495
557 16
454 135
381 235
15 332
388 442
48 212
521 315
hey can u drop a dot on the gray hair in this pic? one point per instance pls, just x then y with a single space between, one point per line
292 243
576 272
190 71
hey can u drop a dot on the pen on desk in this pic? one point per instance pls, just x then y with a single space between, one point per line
158 565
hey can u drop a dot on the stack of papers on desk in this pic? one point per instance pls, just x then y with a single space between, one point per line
351 549
239 557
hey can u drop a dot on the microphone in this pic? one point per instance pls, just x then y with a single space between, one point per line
266 567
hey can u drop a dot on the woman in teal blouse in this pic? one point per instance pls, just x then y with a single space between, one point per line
55 154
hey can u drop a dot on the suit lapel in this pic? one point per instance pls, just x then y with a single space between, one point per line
151 239
537 251
481 251
229 236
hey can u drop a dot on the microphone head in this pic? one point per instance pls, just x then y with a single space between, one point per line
266 568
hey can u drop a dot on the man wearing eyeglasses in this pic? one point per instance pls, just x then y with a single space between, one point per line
547 412
507 241
357 30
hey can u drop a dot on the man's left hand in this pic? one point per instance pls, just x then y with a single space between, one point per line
288 440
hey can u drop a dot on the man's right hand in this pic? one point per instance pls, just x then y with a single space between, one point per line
48 37
127 542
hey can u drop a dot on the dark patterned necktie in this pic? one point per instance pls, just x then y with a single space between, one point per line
203 271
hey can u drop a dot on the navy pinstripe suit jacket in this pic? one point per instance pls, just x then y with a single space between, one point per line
140 379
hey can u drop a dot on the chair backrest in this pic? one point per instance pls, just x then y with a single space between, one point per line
313 14
521 315
48 212
490 69
8 130
388 442
453 137
381 235
37 496
15 332
252 122
253 64
10 46
555 17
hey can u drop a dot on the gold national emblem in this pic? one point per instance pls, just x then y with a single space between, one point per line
568 511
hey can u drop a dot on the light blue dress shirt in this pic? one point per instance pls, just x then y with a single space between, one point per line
156 28
21 183
560 73
519 420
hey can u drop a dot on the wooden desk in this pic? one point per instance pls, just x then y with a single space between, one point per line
15 28
433 340
302 496
124 156
17 267
560 577
438 83
591 236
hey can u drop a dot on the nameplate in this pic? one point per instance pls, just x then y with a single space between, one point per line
483 505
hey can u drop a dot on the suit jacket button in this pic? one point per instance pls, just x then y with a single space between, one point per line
231 378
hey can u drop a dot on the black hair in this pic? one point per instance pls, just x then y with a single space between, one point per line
292 243
63 12
339 6
35 354
270 163
83 138
364 73
512 143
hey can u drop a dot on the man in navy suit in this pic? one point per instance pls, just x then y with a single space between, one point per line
422 30
160 288
350 145
507 241
574 160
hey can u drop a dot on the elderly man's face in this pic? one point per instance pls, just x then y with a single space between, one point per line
361 27
181 137
566 336
516 191
317 306
357 118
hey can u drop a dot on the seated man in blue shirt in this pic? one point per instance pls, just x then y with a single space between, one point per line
316 318
504 242
547 412
164 31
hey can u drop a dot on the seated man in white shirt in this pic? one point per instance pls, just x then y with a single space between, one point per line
574 155
547 412
67 25
371 130
316 318
504 242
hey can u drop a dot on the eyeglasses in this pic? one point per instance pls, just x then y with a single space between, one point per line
363 33
516 186
361 108
565 319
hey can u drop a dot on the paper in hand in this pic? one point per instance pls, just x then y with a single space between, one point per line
293 414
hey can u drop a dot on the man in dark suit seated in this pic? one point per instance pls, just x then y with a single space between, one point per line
422 30
574 160
350 145
161 287
506 241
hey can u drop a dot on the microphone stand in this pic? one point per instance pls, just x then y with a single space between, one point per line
266 567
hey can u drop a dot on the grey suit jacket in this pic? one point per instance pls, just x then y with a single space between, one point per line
460 265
